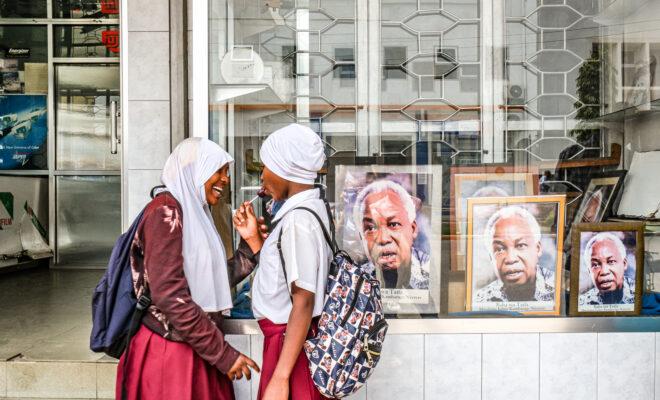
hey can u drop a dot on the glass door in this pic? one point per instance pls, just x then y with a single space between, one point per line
88 155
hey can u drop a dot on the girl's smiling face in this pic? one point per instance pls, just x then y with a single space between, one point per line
216 184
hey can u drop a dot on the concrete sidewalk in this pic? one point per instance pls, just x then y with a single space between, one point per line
45 321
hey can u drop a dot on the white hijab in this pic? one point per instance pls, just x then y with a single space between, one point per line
186 170
295 153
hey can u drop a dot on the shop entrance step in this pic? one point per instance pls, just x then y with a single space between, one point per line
29 379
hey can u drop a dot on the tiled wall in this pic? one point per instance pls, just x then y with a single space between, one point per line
570 366
146 129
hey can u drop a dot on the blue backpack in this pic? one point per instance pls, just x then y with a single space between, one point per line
351 328
116 313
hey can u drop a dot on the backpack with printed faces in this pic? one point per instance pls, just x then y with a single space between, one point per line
351 328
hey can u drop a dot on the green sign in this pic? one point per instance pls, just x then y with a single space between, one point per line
7 201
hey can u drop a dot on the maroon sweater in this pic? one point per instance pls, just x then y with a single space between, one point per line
157 251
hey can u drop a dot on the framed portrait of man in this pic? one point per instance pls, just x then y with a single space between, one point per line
389 220
482 181
598 199
607 268
514 254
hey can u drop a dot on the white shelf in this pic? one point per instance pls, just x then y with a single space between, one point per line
224 92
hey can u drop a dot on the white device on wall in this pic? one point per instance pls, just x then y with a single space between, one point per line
242 65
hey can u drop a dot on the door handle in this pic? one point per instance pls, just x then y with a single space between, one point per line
114 139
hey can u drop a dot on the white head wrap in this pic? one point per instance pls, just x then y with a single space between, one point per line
189 166
295 153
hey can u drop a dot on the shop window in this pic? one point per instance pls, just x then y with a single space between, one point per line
88 9
23 58
23 9
86 41
23 100
530 136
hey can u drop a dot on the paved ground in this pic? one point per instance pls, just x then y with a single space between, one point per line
46 314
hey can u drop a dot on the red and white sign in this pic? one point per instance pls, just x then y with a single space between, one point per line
110 39
110 6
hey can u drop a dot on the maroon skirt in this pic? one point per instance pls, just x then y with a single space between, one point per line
162 369
301 386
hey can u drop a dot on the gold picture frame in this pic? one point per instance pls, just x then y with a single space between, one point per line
624 231
551 229
493 175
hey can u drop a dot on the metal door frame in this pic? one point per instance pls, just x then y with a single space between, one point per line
52 147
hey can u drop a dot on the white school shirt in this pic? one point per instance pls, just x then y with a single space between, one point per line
307 258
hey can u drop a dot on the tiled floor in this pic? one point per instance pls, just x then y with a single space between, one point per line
46 315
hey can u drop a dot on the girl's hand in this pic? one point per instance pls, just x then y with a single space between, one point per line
263 228
241 368
246 224
277 389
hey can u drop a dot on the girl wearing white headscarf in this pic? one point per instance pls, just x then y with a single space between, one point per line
177 255
286 304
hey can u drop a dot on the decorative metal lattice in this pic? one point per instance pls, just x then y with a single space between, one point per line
430 87
326 79
547 47
550 48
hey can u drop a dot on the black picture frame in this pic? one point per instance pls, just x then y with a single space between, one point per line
610 179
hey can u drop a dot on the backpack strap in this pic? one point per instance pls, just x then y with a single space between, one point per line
141 308
330 240
331 220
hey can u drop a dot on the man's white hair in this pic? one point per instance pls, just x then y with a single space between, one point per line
508 212
382 186
602 237
490 191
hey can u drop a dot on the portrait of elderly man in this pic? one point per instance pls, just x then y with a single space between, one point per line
385 214
513 239
605 256
592 206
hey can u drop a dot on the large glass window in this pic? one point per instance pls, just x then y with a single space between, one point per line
23 100
86 41
87 9
516 130
23 59
23 9
84 94
69 134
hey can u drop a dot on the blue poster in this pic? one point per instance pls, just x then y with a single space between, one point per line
23 132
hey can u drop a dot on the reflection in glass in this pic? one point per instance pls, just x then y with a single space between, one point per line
309 57
553 71
86 41
93 9
23 59
23 9
88 218
424 77
82 100
429 88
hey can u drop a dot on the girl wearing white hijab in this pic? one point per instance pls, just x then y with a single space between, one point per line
179 352
285 304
